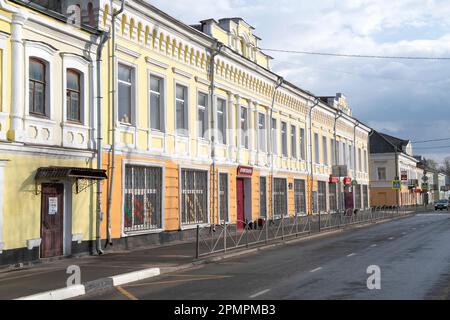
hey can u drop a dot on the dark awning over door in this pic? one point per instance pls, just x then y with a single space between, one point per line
66 172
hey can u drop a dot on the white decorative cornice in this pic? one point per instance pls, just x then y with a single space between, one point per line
127 51
202 81
41 46
182 73
157 63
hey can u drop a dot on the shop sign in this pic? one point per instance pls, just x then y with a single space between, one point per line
334 179
245 171
347 180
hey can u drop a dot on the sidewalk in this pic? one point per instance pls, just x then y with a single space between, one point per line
52 275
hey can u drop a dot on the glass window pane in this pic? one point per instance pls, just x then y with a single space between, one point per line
124 103
124 73
155 111
39 96
73 81
37 71
155 84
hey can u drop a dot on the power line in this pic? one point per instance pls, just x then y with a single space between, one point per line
435 140
357 55
437 147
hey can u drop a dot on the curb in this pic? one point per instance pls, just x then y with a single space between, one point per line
96 285
118 280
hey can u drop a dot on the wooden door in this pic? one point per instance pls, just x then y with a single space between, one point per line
52 220
240 196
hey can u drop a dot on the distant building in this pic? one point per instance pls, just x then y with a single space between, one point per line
392 159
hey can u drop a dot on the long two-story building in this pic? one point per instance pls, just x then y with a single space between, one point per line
193 128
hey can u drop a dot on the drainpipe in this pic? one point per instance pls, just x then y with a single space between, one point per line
336 160
113 124
103 38
214 52
316 103
277 86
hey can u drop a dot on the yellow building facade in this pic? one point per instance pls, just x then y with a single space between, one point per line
47 205
195 129
185 159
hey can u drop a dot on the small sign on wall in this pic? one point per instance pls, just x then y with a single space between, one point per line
52 206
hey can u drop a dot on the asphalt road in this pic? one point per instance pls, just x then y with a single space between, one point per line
413 255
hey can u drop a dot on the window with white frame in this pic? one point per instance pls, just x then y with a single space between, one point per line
280 197
302 144
244 127
365 161
274 136
316 149
322 196
202 115
181 111
194 197
332 198
325 150
333 151
74 96
284 148
366 196
300 196
293 142
350 156
344 154
142 198
222 121
381 173
157 112
223 197
360 160
357 191
126 94
38 86
262 132
263 197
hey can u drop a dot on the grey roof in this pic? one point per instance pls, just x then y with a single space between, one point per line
384 143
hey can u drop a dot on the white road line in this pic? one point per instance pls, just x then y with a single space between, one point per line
259 294
317 269
404 233
374 245
351 255
391 238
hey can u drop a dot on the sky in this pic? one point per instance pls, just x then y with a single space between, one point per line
405 98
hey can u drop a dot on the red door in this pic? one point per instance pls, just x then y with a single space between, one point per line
240 203
52 220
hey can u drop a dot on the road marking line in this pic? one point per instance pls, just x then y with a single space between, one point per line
175 281
259 293
374 245
351 255
391 238
126 293
317 269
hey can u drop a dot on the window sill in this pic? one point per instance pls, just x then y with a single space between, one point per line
37 118
74 125
143 232
193 226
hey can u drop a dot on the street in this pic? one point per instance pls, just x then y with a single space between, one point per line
413 255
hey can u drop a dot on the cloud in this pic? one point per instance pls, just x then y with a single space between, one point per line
405 98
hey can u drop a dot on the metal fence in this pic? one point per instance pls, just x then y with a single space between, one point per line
226 237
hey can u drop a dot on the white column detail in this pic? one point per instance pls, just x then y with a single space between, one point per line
17 78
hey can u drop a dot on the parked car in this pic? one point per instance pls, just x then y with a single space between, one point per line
441 205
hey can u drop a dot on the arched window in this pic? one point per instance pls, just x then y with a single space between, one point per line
90 9
73 93
38 87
